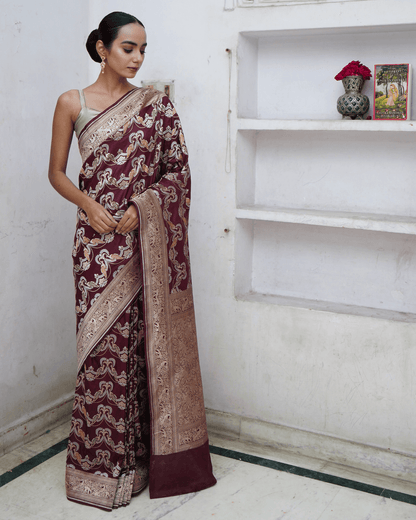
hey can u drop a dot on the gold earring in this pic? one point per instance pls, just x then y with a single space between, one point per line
102 65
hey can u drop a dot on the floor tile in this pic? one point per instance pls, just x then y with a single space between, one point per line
244 492
328 468
366 477
27 451
267 452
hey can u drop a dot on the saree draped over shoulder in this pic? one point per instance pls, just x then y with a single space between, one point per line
138 412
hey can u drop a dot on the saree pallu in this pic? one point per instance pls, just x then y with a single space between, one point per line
138 411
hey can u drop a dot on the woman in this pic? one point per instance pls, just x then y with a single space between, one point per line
138 412
393 95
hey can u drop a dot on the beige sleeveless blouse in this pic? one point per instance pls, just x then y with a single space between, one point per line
85 115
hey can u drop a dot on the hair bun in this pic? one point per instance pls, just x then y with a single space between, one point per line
107 32
91 45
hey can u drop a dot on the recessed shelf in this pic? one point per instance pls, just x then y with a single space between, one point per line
354 173
355 30
326 125
289 75
268 3
326 208
352 271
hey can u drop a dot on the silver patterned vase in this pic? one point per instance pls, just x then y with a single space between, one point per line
353 104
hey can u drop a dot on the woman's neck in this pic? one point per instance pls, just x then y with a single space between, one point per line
112 84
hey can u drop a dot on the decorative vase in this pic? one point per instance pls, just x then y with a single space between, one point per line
353 104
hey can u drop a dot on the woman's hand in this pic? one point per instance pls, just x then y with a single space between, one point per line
99 218
129 221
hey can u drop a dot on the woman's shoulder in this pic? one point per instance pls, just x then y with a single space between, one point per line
149 92
69 103
157 98
163 103
70 97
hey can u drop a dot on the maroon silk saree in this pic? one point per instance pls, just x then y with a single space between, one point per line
138 408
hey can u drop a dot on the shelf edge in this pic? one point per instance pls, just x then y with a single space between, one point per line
325 125
323 306
323 219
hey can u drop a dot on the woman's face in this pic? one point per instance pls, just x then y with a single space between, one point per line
126 55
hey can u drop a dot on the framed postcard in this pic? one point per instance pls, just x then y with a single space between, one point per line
167 87
392 90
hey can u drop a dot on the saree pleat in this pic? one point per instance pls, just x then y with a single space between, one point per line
138 412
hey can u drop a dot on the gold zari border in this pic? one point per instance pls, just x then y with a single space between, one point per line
108 307
91 489
112 120
176 398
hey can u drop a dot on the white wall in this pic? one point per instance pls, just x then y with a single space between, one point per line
349 377
41 56
345 376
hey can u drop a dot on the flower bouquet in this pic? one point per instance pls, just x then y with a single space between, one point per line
354 68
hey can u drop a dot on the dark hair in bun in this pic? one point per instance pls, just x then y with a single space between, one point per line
107 31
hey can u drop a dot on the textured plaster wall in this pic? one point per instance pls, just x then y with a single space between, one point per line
41 56
345 376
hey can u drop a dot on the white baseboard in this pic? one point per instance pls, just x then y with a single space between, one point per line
35 424
314 445
308 444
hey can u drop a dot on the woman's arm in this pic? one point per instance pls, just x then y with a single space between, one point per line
66 111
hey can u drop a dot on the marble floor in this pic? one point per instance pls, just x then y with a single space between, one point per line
253 488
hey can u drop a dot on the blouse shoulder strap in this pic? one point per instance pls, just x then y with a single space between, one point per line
82 98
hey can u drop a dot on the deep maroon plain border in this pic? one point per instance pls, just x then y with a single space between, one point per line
181 473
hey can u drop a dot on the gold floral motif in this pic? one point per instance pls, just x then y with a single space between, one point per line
189 400
90 489
182 302
193 436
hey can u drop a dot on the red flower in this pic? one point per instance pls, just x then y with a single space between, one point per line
354 68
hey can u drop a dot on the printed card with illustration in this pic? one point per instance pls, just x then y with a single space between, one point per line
392 91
